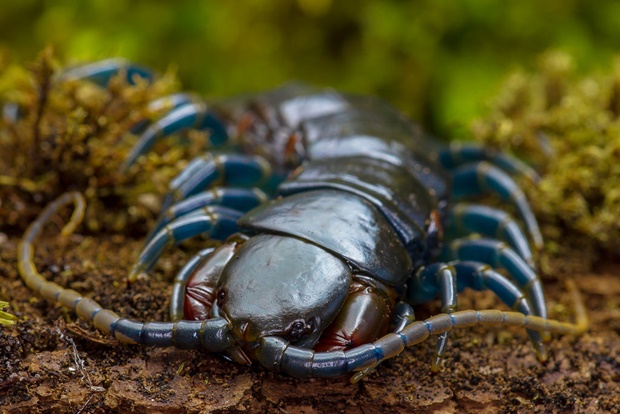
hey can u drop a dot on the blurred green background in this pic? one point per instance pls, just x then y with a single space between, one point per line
440 61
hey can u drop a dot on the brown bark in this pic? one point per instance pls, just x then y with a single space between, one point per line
50 362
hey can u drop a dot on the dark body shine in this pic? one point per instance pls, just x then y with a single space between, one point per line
357 145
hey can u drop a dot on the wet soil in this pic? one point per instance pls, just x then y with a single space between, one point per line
52 362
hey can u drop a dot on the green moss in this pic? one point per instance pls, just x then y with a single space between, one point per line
73 135
568 126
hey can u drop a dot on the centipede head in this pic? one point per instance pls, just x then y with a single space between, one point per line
265 292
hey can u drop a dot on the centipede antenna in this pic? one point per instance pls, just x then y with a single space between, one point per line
26 266
279 355
582 321
213 335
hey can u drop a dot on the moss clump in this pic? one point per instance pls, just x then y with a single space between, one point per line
569 127
73 135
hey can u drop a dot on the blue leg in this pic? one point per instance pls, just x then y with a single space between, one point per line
479 276
173 101
188 116
498 255
429 282
231 170
436 280
475 179
101 72
213 222
403 315
163 105
458 154
491 222
178 288
239 199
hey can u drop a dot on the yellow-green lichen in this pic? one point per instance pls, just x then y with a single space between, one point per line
568 126
5 317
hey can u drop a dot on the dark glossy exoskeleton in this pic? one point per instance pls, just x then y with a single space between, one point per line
365 221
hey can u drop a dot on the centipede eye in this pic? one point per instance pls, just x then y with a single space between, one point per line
221 295
300 329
